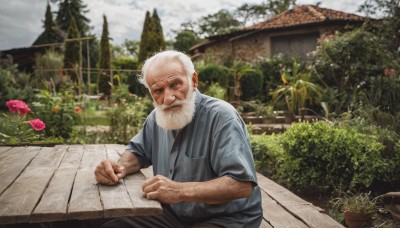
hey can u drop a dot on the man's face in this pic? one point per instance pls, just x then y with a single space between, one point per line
173 95
168 83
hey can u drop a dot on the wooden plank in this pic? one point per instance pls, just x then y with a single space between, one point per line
303 210
93 155
19 200
115 199
54 203
3 149
279 193
114 151
312 217
49 157
276 215
11 151
12 165
73 158
141 205
265 224
85 202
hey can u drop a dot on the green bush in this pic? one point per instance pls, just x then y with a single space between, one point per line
213 73
267 153
321 154
252 84
58 111
14 85
215 90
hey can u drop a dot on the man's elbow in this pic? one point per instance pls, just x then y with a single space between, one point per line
246 190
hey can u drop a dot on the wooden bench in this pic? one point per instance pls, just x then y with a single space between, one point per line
40 184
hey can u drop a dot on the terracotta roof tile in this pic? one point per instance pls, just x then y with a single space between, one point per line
304 15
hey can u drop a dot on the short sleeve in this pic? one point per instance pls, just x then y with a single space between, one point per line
231 152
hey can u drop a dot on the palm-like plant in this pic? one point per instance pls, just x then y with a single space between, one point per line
297 89
238 70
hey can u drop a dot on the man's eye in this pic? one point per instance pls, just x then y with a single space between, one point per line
157 91
174 85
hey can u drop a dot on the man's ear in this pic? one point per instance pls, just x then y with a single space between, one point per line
195 80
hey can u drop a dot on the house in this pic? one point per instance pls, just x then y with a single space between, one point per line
293 33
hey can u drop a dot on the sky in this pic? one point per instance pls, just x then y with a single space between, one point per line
21 21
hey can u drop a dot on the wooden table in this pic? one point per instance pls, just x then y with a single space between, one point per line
43 184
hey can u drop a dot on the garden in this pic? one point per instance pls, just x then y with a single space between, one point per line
350 84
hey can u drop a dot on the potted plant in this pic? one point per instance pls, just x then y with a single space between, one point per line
358 209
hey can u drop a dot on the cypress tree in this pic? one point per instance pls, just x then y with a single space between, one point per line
105 61
159 41
152 38
145 39
48 35
71 53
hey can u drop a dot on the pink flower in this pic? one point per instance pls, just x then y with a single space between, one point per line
37 124
389 72
18 106
78 109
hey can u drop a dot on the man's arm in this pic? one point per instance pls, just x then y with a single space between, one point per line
110 172
214 191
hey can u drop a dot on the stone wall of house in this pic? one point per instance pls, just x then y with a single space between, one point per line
252 48
257 46
218 52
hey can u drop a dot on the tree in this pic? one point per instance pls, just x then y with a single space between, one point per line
185 39
76 9
256 12
105 61
71 53
390 26
219 23
152 38
48 35
145 49
159 41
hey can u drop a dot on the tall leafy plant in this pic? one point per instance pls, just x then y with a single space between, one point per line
297 89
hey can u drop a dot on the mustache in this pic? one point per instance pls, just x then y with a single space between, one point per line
175 103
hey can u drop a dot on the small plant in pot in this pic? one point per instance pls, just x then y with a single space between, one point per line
358 209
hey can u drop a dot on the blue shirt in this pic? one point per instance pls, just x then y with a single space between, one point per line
214 144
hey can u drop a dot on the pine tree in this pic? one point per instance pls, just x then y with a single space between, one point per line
71 53
48 35
105 61
76 9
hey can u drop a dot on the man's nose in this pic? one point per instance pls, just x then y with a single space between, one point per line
169 97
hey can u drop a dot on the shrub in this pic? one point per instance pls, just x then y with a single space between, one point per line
213 73
267 153
252 84
321 154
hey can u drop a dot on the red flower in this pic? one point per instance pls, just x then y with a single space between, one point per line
37 124
389 72
78 109
18 106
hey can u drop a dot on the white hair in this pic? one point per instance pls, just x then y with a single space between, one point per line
163 58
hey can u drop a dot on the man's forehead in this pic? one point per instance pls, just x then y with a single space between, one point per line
165 77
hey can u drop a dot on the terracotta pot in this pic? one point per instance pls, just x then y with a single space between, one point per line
357 220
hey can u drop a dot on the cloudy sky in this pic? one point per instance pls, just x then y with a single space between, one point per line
21 20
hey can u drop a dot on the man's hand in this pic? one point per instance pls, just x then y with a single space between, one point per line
162 189
109 172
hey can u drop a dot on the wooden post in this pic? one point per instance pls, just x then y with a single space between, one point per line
88 65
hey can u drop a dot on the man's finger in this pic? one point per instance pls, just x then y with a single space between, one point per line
101 178
109 170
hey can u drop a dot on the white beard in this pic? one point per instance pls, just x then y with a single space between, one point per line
173 120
